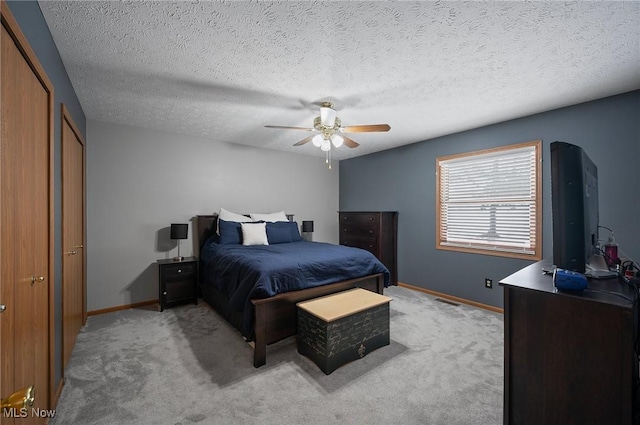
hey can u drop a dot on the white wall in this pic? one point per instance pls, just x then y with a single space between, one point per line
139 181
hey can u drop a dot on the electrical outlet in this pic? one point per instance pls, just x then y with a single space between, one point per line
488 283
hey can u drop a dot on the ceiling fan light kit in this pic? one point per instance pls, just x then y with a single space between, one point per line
331 132
337 140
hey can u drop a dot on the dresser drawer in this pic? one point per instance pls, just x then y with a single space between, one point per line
359 218
370 244
367 230
179 271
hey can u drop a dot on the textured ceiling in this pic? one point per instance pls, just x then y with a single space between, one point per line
224 70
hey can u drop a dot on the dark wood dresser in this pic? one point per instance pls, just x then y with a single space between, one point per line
569 357
375 231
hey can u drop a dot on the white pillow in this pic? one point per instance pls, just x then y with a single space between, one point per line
254 234
231 216
272 217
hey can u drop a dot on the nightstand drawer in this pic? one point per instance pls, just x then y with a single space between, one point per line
179 271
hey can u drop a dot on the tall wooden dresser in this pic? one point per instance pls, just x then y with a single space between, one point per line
375 231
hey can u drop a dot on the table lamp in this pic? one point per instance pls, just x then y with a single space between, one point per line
179 231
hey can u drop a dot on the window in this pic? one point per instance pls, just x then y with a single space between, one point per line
489 201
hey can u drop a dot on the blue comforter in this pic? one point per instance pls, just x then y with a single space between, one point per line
261 271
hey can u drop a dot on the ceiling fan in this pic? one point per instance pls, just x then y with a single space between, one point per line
331 133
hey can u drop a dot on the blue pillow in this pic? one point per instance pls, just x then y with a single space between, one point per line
279 232
230 232
283 232
295 231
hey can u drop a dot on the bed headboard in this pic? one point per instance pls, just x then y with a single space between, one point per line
206 226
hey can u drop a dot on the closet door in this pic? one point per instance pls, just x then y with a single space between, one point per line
26 219
73 240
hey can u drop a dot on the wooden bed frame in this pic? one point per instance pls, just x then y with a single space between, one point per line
275 318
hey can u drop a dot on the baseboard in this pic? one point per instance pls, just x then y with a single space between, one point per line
452 298
56 395
121 307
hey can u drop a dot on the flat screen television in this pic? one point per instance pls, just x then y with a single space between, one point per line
574 206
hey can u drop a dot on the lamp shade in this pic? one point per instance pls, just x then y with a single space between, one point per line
307 226
326 145
327 115
179 231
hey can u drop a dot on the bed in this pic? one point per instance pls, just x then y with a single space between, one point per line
267 313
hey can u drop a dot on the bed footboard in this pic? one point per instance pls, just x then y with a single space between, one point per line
275 318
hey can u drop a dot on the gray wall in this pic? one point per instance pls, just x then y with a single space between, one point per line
35 29
139 181
403 179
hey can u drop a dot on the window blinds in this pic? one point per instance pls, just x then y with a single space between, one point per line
489 201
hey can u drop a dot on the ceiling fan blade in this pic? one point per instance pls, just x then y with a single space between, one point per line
350 143
303 141
366 128
290 128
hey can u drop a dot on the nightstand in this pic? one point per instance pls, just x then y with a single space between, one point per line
178 281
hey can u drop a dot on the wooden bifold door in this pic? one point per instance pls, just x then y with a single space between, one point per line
73 239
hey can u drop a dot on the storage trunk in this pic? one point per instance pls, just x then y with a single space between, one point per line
340 328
